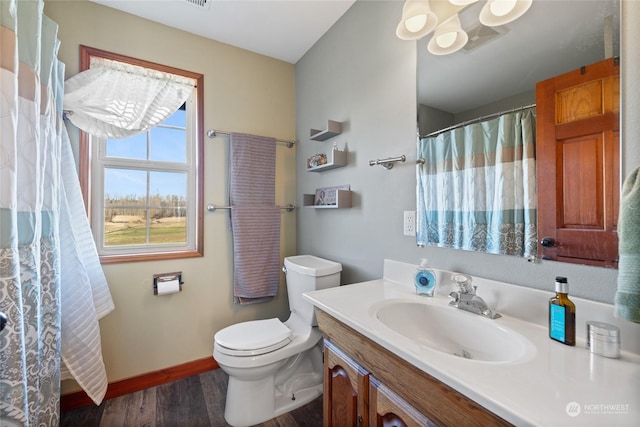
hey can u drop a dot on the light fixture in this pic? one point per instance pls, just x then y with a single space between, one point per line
417 20
462 2
448 37
500 12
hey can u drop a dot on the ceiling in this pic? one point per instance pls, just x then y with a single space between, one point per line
282 29
553 37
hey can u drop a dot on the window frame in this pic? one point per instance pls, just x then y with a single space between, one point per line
86 160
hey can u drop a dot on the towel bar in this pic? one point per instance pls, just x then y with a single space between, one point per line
212 133
212 207
387 163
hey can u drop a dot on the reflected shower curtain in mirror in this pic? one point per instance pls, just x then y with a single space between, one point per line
477 189
48 269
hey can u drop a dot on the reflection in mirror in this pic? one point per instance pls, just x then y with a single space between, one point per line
476 188
497 71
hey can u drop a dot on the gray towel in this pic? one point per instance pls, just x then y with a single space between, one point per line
252 170
627 299
255 220
256 253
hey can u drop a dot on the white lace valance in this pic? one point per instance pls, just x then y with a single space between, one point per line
113 99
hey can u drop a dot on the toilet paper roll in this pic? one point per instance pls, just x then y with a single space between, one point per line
168 287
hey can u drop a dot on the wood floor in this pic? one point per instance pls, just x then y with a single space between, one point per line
196 401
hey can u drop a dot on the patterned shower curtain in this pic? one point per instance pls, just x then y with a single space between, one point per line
45 262
477 188
29 205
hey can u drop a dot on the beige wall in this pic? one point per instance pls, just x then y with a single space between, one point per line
244 92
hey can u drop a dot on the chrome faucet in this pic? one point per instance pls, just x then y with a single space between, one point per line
466 298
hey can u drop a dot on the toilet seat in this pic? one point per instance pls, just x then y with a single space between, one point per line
253 338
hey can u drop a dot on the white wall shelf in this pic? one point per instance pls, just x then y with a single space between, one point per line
343 200
339 160
333 128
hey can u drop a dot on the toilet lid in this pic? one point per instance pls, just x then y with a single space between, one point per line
253 337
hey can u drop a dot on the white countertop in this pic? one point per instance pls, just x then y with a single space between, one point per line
553 384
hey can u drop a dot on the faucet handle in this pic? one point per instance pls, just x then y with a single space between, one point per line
463 282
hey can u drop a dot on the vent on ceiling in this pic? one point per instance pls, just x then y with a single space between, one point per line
205 4
481 34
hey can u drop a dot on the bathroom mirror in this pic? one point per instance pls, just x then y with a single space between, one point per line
498 69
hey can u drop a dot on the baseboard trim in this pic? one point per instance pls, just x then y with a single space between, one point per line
141 382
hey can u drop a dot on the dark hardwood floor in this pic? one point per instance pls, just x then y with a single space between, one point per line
196 401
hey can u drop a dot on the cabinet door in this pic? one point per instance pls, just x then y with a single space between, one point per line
346 390
387 409
578 164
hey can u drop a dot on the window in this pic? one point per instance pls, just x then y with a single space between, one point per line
145 194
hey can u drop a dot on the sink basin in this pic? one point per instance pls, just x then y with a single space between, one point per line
452 331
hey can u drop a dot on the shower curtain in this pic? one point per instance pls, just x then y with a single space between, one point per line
52 287
477 188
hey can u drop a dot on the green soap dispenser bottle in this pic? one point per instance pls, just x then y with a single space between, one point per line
562 314
425 280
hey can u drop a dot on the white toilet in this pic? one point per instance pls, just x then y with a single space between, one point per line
275 367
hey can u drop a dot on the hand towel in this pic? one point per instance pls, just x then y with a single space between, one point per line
256 253
627 298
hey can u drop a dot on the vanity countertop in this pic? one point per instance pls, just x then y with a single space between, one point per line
552 384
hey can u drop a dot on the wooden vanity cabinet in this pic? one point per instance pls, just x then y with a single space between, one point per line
346 390
388 409
367 385
354 398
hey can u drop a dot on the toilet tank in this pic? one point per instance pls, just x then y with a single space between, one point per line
306 273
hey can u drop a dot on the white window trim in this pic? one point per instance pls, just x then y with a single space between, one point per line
102 162
86 163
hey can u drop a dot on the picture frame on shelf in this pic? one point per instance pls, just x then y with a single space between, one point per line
327 196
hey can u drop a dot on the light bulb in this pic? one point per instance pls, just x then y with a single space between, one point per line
417 20
502 7
416 23
447 39
500 12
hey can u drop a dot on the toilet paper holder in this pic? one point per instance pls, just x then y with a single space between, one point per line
166 277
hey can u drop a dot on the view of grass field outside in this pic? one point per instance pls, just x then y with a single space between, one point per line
144 202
